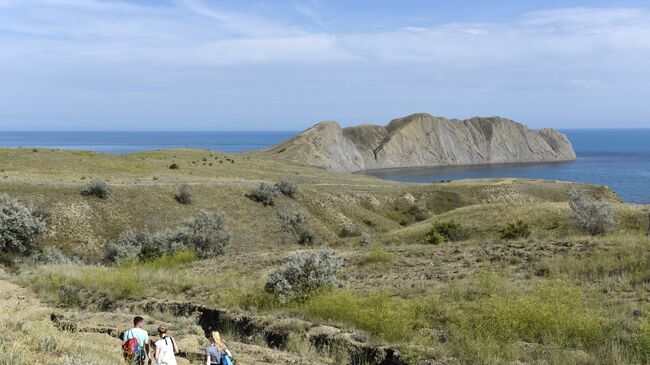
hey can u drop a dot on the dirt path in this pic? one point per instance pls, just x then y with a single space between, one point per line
29 330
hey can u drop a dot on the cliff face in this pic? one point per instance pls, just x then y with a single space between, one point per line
422 140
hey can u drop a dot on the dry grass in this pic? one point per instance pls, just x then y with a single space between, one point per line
557 297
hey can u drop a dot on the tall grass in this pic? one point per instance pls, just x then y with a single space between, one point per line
160 277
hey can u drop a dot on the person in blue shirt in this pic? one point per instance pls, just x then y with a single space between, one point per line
141 336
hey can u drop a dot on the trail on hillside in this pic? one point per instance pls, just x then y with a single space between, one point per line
28 325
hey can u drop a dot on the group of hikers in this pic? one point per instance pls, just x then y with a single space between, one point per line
137 348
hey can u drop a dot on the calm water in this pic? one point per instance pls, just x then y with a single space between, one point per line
127 142
617 158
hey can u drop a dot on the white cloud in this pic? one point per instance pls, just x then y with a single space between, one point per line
82 46
119 30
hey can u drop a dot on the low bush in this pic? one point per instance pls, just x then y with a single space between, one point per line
595 217
350 231
515 230
418 213
96 187
287 188
432 238
19 227
54 256
184 195
304 272
265 194
174 166
298 225
445 231
204 234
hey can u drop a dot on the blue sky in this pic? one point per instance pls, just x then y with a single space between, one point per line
287 64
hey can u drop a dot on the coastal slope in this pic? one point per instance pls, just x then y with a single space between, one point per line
421 140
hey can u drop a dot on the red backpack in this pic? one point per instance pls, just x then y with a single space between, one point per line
130 347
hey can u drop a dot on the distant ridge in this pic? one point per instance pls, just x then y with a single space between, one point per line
420 140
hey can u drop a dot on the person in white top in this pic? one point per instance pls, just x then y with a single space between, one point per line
166 348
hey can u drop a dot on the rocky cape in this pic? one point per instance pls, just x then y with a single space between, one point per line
421 140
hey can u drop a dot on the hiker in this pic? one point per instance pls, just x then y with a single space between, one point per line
135 343
217 353
165 348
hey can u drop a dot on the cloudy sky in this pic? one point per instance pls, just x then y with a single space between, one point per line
286 64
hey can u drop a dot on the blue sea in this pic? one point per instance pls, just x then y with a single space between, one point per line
618 158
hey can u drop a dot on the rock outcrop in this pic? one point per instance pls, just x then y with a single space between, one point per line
421 140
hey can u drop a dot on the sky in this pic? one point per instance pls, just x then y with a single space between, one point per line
288 64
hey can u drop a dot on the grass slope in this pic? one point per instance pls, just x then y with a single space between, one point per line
558 296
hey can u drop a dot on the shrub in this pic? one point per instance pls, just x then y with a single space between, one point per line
7 261
128 246
265 194
432 238
303 272
184 195
445 231
287 188
205 234
595 217
69 296
350 231
97 187
173 166
41 211
515 230
297 225
54 256
19 228
418 213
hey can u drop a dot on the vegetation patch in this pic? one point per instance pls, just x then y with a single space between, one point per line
96 187
515 230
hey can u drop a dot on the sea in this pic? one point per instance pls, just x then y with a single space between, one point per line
617 158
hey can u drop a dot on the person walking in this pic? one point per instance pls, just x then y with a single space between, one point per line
166 348
135 343
217 353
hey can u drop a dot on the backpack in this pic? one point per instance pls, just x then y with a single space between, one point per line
131 347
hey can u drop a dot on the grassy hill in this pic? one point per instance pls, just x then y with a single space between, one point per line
557 296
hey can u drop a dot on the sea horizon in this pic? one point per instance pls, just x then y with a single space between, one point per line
615 157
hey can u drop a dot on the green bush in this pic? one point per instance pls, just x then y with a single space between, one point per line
515 230
381 314
451 231
642 343
19 228
304 272
96 187
432 238
550 314
265 194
